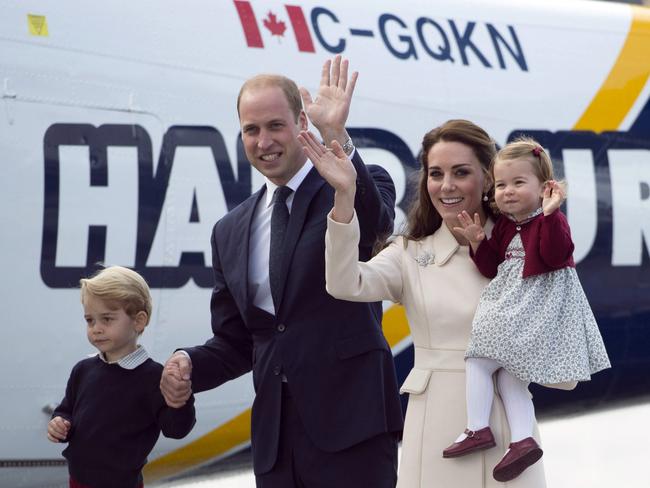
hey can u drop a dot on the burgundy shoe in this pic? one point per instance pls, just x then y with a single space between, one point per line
521 455
475 440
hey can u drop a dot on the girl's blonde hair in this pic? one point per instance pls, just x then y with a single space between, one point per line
529 149
120 285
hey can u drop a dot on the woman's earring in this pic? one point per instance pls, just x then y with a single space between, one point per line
485 197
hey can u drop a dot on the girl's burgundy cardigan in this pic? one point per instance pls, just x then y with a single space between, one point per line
546 239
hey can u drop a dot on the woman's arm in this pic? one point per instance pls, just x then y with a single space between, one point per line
349 279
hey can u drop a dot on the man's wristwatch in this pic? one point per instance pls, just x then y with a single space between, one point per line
348 146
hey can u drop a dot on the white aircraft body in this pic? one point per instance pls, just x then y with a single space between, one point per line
119 143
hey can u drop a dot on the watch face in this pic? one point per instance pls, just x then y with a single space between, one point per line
348 147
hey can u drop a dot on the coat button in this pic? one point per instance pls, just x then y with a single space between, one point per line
519 227
282 328
277 370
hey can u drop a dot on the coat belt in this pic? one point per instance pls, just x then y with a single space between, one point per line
439 359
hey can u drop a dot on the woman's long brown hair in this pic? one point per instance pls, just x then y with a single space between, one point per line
423 219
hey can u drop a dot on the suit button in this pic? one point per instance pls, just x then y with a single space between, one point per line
282 328
518 227
277 370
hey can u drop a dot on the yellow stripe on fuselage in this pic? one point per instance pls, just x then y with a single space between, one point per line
625 81
235 432
395 325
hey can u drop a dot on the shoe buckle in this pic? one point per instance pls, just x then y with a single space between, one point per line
470 433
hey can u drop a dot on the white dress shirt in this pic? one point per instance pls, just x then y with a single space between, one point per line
260 241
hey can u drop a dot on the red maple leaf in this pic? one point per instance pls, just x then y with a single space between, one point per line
276 27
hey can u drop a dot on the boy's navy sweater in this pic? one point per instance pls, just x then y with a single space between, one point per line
116 416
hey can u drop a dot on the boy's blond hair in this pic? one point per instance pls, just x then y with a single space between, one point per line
120 285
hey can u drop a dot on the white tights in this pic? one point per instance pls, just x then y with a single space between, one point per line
479 390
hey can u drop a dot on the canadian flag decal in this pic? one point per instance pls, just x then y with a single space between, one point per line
274 25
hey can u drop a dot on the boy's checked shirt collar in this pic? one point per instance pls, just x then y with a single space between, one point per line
130 361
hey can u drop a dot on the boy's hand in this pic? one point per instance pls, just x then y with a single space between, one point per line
175 383
57 429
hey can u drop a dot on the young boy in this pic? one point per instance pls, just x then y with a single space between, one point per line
113 411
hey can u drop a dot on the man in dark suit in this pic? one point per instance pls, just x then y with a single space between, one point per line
326 411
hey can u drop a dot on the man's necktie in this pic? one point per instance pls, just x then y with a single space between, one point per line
279 221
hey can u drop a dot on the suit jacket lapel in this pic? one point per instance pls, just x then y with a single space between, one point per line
304 195
241 244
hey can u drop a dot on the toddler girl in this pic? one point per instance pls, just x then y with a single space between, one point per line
533 322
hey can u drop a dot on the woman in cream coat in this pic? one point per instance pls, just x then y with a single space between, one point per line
429 271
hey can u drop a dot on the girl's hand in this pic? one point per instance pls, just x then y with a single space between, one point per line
554 195
57 429
470 230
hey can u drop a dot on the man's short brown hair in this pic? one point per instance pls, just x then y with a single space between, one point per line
288 86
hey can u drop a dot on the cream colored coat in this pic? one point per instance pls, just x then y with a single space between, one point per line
439 286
